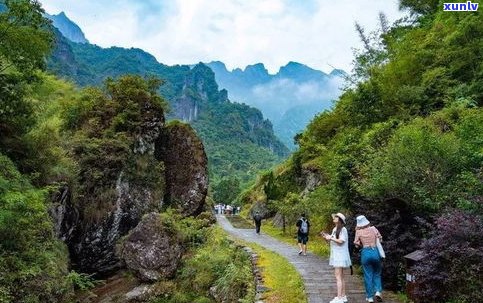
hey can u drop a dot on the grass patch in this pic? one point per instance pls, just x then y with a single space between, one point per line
281 277
315 245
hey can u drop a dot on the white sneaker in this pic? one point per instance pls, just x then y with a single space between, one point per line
370 300
344 299
336 300
378 296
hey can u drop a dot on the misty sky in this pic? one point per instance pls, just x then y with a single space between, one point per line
319 33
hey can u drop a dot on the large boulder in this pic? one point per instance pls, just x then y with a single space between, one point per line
152 250
186 167
118 182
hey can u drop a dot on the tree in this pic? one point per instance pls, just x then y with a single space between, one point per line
25 40
25 37
227 189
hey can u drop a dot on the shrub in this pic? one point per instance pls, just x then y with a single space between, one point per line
228 269
452 268
33 264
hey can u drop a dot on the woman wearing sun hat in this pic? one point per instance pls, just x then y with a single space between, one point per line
366 236
339 254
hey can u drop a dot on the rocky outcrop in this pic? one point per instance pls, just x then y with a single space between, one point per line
129 183
65 216
93 248
310 179
165 165
152 250
186 168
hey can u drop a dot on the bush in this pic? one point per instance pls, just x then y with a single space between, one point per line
221 264
33 264
452 268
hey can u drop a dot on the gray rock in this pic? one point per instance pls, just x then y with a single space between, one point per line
310 179
152 250
186 168
91 225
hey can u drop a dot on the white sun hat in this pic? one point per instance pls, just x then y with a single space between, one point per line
362 221
340 215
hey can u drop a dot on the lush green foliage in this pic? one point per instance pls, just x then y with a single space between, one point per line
24 42
404 141
226 190
33 263
226 273
25 37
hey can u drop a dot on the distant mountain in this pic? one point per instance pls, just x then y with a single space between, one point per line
68 28
239 141
296 93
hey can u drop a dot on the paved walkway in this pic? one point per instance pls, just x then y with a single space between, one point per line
316 273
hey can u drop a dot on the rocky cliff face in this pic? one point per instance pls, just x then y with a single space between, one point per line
199 92
158 164
186 168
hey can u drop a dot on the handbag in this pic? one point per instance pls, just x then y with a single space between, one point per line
382 254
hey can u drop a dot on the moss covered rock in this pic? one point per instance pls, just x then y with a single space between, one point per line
186 168
152 250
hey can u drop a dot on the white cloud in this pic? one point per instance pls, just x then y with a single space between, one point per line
237 32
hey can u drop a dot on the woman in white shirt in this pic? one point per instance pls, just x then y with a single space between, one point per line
339 254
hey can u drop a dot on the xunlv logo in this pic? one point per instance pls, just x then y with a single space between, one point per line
461 7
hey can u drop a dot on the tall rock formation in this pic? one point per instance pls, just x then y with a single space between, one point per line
186 168
123 177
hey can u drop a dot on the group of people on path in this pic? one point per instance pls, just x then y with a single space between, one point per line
226 209
366 238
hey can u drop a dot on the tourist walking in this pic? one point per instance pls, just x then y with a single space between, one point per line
303 227
366 236
339 254
258 221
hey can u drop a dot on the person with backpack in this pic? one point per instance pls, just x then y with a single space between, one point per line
303 227
371 260
339 254
258 221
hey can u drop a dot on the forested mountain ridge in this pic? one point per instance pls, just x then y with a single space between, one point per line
290 98
403 146
238 139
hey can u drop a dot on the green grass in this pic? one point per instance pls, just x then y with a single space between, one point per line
281 277
315 245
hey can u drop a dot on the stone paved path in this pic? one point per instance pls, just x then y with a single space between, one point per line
316 273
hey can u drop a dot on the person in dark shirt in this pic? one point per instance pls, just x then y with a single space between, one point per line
258 221
303 227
